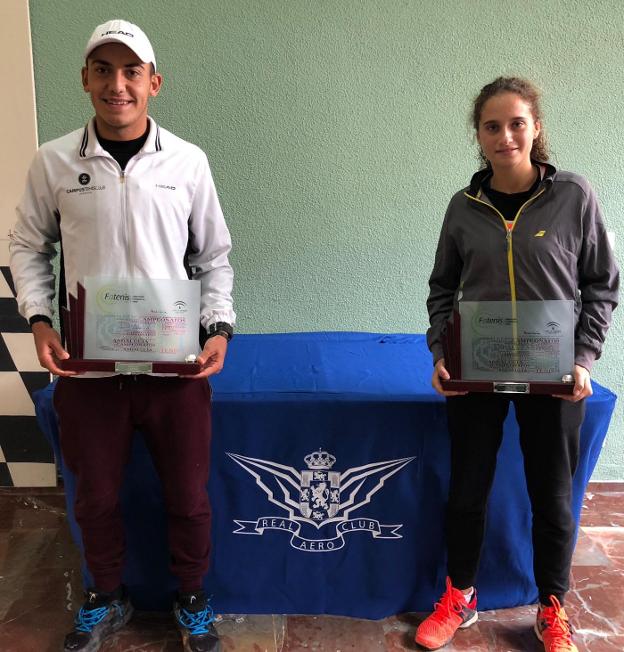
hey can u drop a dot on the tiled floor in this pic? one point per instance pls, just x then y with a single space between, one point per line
40 588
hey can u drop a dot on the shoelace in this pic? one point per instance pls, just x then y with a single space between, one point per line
449 603
196 623
87 619
557 625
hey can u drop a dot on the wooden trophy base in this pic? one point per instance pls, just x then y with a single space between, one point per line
131 366
508 387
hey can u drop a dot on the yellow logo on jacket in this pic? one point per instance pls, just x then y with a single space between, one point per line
540 234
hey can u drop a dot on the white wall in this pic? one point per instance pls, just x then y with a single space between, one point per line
18 121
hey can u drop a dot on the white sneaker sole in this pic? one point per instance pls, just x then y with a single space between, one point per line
538 633
472 621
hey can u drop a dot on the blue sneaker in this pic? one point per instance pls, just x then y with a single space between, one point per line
101 615
195 620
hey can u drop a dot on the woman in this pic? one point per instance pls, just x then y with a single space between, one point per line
521 231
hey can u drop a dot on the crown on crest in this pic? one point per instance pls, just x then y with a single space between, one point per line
319 460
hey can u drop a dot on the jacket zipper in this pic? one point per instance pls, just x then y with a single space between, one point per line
130 246
124 216
510 263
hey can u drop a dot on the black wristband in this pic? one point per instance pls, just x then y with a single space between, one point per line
35 318
221 328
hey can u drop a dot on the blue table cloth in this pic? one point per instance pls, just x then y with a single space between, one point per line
330 462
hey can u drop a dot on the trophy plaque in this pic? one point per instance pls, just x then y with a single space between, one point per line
525 347
132 326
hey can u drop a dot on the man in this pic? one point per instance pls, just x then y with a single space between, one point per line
126 198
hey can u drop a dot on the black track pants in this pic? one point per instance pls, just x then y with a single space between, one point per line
549 438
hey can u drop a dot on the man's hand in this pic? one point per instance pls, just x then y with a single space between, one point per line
582 385
440 373
212 357
49 348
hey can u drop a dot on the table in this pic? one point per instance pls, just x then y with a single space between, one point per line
362 538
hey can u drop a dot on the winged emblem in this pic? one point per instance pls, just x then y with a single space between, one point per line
318 495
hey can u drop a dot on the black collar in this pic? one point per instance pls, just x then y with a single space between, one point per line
547 170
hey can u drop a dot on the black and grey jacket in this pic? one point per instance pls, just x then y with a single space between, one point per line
557 248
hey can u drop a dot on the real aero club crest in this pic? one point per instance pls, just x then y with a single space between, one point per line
319 501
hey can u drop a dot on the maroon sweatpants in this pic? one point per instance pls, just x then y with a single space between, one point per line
97 417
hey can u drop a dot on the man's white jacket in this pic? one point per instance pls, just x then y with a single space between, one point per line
126 224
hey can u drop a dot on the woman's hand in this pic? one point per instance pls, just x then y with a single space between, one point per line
582 385
440 373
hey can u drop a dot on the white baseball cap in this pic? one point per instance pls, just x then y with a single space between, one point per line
121 31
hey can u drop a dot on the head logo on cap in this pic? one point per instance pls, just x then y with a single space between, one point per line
117 31
121 31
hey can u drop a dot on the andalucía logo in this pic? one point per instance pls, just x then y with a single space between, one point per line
553 328
180 306
318 501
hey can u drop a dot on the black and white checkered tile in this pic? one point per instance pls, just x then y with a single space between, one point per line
26 458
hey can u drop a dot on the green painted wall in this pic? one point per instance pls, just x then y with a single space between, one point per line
338 129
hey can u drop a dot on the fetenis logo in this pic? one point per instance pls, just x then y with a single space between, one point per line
83 179
110 297
486 323
319 502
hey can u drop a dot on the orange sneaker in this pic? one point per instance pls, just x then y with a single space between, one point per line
553 629
449 615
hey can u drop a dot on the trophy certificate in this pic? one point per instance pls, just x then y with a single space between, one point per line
524 347
133 326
